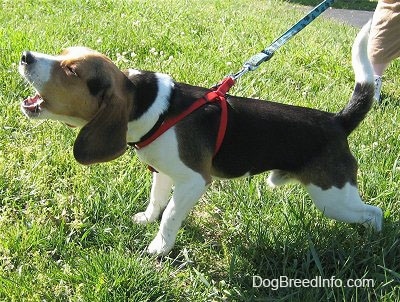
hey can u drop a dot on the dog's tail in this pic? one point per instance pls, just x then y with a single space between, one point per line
363 94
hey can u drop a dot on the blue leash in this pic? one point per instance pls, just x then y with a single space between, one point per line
263 56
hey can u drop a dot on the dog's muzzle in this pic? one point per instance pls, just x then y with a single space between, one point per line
31 105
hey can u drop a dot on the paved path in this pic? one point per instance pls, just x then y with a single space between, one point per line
355 18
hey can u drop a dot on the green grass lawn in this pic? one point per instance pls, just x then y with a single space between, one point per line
66 232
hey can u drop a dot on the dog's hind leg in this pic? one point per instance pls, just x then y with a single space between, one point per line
344 204
188 189
159 196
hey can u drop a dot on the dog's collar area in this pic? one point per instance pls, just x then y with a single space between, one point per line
151 132
218 94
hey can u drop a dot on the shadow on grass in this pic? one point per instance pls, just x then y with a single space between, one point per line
343 4
335 253
389 100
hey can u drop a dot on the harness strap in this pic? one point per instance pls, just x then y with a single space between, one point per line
218 94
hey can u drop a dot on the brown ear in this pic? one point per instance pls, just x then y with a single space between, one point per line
104 137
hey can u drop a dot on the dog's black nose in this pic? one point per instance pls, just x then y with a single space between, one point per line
27 58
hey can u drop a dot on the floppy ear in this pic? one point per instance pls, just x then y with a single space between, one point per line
104 137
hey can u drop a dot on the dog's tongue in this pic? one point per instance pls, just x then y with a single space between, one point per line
32 103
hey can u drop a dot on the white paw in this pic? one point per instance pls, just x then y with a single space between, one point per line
159 246
141 218
375 218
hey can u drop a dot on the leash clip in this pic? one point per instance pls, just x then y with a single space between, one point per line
255 61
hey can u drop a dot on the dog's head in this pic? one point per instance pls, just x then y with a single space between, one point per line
82 88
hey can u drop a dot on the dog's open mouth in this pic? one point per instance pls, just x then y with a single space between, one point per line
32 104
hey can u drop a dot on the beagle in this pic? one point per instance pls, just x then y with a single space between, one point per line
83 88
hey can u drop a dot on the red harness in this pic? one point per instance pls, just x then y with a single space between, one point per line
218 94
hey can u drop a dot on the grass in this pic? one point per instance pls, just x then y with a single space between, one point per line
66 232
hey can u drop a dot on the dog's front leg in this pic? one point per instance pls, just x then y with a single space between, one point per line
159 196
186 193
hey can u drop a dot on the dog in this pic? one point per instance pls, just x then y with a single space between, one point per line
83 88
